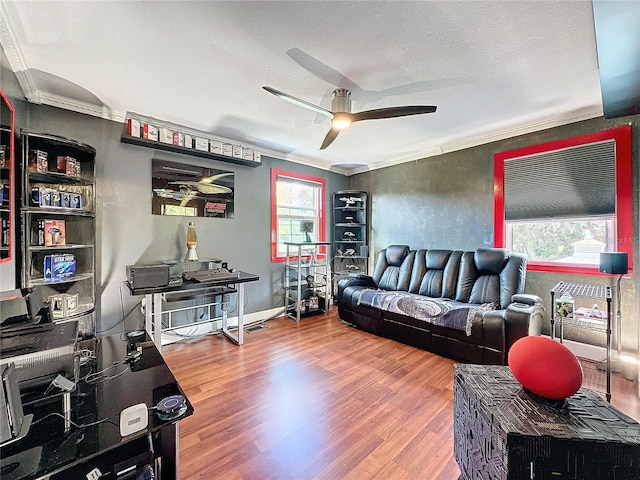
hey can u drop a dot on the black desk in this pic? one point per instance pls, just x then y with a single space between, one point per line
50 450
154 302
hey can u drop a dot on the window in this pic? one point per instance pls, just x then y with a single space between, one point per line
564 202
296 200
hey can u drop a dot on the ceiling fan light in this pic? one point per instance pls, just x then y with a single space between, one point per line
341 122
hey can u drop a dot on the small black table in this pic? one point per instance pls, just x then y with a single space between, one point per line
54 450
502 432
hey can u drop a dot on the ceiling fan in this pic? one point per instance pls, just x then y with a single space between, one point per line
340 113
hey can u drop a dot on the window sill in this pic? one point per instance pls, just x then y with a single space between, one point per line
564 268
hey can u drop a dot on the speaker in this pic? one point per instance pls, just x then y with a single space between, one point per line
614 262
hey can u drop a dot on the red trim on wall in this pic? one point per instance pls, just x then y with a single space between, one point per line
275 173
499 238
12 176
624 192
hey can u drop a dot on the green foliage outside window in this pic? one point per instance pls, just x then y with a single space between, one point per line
556 240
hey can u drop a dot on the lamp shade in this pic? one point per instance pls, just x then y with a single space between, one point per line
614 263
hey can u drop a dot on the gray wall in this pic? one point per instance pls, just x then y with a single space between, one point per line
127 232
447 202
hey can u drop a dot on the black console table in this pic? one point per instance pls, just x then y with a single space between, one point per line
502 432
94 446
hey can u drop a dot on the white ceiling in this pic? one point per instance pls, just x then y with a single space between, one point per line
494 69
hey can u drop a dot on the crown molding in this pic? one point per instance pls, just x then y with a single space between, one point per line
489 137
525 128
306 161
60 101
16 59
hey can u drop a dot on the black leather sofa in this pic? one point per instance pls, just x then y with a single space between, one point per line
469 306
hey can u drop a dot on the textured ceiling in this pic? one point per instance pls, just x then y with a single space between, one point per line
494 69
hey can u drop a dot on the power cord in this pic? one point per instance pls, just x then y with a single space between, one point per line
97 422
99 377
124 317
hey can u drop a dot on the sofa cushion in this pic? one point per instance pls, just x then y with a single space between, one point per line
490 261
438 311
393 268
486 289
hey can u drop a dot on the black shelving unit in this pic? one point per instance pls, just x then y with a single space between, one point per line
6 192
350 248
57 223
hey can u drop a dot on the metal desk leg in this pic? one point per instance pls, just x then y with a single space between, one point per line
66 411
148 314
239 338
553 318
157 320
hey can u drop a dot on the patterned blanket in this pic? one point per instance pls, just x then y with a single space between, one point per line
442 312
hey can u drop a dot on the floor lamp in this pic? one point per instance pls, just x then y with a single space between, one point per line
616 263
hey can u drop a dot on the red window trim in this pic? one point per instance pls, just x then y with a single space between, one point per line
624 191
275 173
12 175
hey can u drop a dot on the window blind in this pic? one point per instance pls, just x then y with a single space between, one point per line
571 182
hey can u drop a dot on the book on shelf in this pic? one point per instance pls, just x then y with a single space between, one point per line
59 267
5 240
55 233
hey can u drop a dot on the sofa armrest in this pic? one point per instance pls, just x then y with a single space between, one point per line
523 317
362 276
359 279
526 299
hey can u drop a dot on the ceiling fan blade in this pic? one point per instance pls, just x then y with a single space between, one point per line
298 102
322 71
392 112
331 136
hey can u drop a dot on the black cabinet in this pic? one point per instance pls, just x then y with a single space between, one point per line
92 445
6 193
350 248
57 225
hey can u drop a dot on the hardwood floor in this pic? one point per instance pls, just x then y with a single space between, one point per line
315 400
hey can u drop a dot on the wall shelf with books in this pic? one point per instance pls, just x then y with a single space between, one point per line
157 134
57 225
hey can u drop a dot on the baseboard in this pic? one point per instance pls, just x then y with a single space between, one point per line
208 328
584 350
